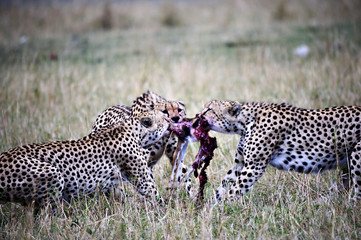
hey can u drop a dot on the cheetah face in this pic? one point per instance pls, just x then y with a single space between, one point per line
149 101
224 116
175 111
154 125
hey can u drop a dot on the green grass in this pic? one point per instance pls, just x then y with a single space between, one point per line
242 51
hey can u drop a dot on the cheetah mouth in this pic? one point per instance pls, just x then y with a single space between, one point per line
195 130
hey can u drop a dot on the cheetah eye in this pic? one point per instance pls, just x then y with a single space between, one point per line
165 111
235 110
146 122
180 110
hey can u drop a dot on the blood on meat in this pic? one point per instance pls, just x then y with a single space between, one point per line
197 129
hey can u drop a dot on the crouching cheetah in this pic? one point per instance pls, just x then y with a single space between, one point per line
288 138
67 169
175 112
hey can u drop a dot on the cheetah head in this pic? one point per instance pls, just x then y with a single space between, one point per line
175 111
153 125
148 101
153 122
225 116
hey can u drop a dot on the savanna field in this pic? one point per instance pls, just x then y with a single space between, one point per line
62 64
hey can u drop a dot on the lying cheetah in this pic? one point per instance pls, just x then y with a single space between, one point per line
66 169
175 111
288 138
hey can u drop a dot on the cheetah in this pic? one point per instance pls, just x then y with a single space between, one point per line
62 170
288 138
174 110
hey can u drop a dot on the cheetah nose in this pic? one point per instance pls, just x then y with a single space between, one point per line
175 119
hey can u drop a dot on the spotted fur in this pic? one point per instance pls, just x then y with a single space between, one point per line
288 138
174 110
66 169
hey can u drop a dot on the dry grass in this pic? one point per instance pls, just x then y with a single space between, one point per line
236 50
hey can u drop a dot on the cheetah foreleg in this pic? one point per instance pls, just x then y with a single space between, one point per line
142 179
255 163
231 174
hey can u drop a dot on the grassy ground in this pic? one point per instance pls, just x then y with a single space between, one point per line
60 66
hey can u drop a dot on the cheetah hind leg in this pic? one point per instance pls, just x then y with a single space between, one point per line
348 179
45 189
341 186
355 171
344 182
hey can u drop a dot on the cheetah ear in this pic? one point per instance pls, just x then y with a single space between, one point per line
235 110
182 103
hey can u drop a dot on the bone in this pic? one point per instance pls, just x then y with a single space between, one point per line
191 130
